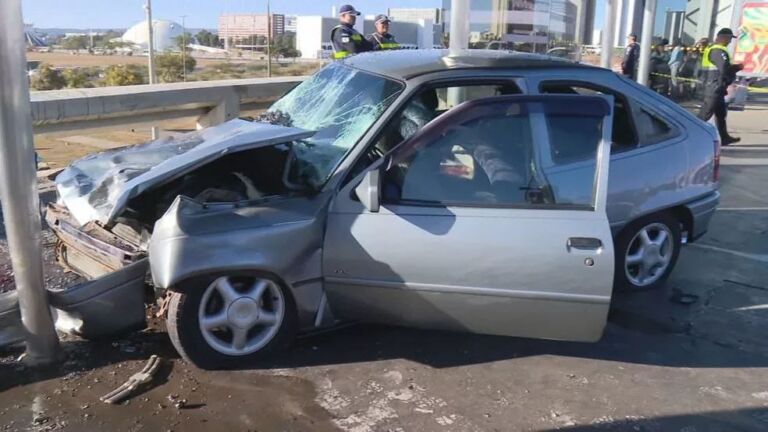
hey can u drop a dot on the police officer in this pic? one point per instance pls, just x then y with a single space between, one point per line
718 74
346 40
631 55
382 39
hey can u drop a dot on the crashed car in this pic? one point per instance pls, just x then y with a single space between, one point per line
462 192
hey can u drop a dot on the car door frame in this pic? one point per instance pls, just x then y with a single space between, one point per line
345 203
344 172
625 207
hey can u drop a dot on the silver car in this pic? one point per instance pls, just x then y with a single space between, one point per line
467 193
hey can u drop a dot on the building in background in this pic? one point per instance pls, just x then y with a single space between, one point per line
31 37
290 23
673 25
243 26
416 14
597 37
164 31
313 34
531 25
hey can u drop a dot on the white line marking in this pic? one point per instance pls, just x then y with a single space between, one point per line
742 209
724 160
749 256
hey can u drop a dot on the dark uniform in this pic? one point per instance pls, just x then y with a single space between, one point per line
383 41
629 62
347 41
717 73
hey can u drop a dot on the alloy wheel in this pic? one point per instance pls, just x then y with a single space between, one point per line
649 254
239 315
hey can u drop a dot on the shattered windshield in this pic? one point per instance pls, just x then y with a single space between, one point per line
340 104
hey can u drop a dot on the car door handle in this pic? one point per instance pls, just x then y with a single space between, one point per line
584 243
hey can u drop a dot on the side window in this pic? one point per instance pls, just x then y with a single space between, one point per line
653 129
571 139
490 159
624 135
424 107
431 103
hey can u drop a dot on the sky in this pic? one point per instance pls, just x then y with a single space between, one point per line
84 14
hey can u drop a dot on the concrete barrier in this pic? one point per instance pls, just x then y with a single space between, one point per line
212 102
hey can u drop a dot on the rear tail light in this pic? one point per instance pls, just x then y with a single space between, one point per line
716 170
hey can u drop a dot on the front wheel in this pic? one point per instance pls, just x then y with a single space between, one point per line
646 252
231 321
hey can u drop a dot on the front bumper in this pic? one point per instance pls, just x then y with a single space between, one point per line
112 301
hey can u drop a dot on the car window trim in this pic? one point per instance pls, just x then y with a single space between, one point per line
461 204
610 91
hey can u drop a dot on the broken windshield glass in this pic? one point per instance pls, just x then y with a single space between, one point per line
340 104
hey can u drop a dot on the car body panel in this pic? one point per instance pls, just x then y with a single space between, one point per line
98 187
480 269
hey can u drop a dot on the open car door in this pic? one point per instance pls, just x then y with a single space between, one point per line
484 222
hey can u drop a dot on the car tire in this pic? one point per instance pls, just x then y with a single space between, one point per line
646 252
231 321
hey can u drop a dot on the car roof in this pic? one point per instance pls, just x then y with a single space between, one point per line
406 64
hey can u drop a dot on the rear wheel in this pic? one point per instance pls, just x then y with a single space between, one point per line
646 252
230 321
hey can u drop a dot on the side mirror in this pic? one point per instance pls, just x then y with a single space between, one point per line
368 190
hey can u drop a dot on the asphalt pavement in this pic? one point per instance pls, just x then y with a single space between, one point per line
692 357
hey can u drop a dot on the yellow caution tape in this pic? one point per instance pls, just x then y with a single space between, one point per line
749 88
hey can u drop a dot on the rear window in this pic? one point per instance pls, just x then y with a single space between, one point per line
624 136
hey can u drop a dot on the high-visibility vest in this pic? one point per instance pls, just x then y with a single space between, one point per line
706 64
383 44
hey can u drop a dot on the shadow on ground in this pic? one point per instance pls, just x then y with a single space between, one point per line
717 421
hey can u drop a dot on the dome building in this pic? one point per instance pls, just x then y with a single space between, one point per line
164 31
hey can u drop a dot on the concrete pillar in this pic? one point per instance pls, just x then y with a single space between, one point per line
609 28
459 37
620 30
649 16
631 9
18 188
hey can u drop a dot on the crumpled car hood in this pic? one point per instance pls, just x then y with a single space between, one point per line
99 186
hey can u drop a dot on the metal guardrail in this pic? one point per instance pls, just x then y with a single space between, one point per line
212 102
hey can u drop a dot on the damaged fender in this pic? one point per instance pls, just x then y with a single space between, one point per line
283 238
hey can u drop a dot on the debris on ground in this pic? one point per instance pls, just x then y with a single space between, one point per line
134 382
683 298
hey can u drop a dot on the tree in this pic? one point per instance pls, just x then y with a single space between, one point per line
75 78
47 78
181 41
75 42
170 67
291 53
112 45
123 75
285 40
206 38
